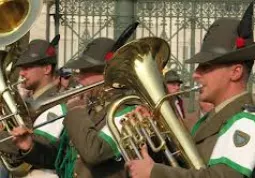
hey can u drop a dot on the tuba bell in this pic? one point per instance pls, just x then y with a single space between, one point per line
17 17
137 66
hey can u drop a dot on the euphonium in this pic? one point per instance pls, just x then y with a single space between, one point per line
13 113
137 66
17 17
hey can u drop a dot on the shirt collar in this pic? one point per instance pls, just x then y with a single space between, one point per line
42 90
223 104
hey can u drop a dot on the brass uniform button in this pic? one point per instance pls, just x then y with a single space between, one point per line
78 156
75 174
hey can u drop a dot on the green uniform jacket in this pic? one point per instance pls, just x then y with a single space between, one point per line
9 149
205 139
95 158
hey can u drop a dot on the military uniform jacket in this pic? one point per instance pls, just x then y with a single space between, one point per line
49 90
205 139
95 157
7 148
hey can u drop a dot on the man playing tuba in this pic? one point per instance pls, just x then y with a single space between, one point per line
37 66
224 137
84 148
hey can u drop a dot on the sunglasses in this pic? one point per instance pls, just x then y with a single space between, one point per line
66 77
65 73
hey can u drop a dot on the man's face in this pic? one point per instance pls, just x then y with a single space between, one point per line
173 87
33 76
65 82
215 80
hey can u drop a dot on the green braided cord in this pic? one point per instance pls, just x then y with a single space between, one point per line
66 157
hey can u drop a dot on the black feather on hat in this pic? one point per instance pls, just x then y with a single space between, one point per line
39 52
99 51
228 40
51 50
245 28
125 35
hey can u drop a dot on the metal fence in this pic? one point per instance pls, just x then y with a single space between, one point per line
183 23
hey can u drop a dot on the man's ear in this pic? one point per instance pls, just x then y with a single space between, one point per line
48 69
237 72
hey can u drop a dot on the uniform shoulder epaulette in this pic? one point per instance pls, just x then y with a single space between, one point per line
235 144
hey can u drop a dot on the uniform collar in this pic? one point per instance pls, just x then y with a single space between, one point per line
212 124
39 92
223 104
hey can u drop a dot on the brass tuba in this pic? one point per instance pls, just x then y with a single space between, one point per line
17 17
137 66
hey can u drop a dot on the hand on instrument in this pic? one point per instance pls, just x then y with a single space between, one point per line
144 111
22 138
141 168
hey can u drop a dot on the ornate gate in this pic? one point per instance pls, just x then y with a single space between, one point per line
182 23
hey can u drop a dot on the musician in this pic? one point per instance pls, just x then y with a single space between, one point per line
37 65
64 80
224 137
84 149
173 83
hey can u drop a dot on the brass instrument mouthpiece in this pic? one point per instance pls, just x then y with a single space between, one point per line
21 80
196 88
160 102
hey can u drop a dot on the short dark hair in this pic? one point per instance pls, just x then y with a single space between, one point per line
53 67
248 68
246 64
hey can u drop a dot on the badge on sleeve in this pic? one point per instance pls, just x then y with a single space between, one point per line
241 138
51 116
